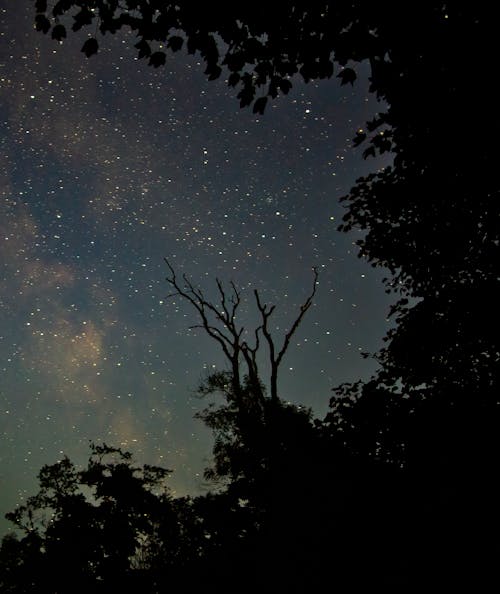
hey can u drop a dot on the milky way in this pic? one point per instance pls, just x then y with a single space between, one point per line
106 167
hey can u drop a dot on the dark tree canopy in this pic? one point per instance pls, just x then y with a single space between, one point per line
387 490
251 428
85 529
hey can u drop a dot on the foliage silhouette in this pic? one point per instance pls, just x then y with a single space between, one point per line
83 529
368 497
401 473
246 427
261 443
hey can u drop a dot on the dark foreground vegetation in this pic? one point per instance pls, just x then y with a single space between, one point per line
397 486
379 494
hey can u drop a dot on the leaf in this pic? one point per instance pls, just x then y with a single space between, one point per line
157 59
82 18
359 138
41 5
42 23
62 6
246 94
59 32
234 79
144 48
370 151
175 43
260 105
373 124
285 85
382 142
347 75
213 71
90 47
216 72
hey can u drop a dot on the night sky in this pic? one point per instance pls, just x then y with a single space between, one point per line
106 167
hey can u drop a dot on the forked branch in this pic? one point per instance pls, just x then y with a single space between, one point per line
220 324
266 312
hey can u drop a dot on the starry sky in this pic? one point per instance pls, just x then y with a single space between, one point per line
106 167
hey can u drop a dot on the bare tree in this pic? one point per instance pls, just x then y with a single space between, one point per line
219 322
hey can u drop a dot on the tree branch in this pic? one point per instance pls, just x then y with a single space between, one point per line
229 335
303 309
265 315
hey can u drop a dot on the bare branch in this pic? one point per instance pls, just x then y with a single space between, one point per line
223 299
226 332
235 300
230 339
303 308
266 312
213 330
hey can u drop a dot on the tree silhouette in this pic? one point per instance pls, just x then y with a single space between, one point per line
226 332
247 411
87 530
261 443
426 426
